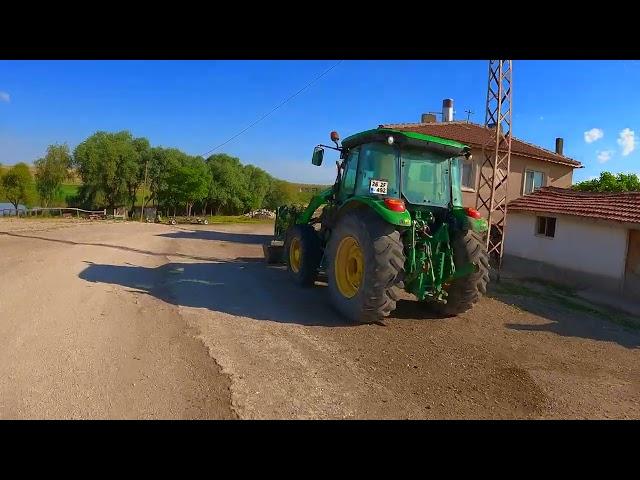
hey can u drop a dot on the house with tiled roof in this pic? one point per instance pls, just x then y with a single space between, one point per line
586 239
532 166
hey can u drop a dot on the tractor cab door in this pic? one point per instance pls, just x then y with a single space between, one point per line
347 185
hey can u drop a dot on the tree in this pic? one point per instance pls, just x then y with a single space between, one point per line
178 179
163 165
192 180
143 150
51 171
110 166
280 193
17 185
228 189
608 182
259 182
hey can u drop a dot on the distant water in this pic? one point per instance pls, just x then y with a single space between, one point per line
8 209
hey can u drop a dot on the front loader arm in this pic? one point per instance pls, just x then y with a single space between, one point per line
289 215
316 202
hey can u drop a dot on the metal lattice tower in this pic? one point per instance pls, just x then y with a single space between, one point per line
496 157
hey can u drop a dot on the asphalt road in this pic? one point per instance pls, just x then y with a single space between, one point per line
108 320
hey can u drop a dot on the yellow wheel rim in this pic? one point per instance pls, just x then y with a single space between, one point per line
349 267
295 255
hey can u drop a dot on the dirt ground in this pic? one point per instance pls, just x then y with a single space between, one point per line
128 320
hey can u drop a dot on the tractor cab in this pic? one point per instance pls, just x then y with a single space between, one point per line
402 169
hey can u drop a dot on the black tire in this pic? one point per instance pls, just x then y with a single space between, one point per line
310 254
383 270
465 292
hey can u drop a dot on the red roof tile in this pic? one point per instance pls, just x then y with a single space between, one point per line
476 135
617 207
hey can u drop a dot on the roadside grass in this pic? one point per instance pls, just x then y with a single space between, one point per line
68 190
563 296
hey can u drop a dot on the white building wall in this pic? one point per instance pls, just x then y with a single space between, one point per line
579 244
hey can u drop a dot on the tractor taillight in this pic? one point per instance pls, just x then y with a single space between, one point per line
472 212
395 204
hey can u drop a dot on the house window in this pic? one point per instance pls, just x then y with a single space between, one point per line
467 175
532 181
546 226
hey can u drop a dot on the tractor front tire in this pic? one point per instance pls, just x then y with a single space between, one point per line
303 253
465 292
365 267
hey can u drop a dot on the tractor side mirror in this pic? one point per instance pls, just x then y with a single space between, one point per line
318 155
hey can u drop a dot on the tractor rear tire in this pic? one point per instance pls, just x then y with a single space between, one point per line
465 292
380 252
303 252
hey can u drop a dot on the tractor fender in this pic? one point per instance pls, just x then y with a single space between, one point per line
400 219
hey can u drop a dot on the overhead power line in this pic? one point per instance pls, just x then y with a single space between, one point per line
275 108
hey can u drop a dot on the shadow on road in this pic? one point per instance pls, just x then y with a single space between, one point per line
409 309
247 238
567 317
106 245
243 287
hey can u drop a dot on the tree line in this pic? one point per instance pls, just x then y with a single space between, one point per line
608 182
118 170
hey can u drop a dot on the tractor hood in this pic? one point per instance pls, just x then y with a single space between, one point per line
450 148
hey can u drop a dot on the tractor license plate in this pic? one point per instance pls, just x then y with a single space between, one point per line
378 186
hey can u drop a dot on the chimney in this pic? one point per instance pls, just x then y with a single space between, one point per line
559 146
447 110
428 118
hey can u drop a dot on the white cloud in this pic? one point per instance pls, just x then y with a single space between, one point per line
627 140
593 135
5 97
605 155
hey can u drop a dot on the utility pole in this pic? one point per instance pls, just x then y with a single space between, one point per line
144 192
496 158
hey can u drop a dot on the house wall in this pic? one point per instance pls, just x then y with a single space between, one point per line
555 175
582 252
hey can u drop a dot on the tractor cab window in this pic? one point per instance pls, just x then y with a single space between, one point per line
425 177
378 170
349 174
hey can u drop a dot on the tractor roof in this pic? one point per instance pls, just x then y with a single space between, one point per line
400 137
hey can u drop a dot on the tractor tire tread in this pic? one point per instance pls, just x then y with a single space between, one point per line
384 266
311 254
465 292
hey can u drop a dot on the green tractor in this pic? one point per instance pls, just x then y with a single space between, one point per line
392 221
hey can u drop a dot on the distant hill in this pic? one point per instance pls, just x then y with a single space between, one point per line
309 187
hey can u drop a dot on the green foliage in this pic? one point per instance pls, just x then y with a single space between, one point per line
280 193
188 181
111 166
608 182
229 189
51 171
109 169
17 185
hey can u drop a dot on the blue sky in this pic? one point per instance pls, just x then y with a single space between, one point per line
196 105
